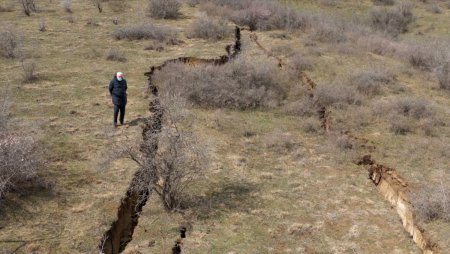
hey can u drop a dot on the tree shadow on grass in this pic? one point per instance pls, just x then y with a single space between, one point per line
229 197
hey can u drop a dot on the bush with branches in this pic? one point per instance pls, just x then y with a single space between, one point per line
18 156
209 29
392 21
164 9
239 84
432 203
145 31
10 41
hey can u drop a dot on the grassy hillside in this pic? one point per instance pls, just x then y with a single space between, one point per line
276 181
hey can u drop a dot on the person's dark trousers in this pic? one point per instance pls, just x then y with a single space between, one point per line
118 108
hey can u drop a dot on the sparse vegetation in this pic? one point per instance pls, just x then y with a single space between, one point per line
29 70
370 83
115 54
20 162
9 41
394 20
145 31
240 84
432 203
164 9
209 29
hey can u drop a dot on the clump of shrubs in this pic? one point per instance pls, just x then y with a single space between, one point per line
29 70
145 31
164 9
209 29
263 15
393 20
279 142
432 203
18 155
370 83
406 114
336 95
239 84
115 54
9 42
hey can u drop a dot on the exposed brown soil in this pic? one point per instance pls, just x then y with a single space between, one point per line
395 189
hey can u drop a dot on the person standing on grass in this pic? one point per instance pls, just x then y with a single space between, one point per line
118 90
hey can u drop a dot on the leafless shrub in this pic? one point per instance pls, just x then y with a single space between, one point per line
155 47
423 56
370 82
42 25
336 95
181 160
300 63
239 84
434 8
432 203
29 69
115 54
392 21
413 107
209 29
407 114
6 8
263 14
301 107
164 9
384 2
279 142
9 41
28 6
67 5
145 31
19 161
444 76
447 4
329 31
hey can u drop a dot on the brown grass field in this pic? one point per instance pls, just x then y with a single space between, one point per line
276 182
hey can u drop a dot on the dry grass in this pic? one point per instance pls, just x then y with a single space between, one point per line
250 191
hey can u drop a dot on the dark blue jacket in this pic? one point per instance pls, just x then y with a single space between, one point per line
118 91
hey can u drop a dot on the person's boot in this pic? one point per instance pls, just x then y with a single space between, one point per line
115 125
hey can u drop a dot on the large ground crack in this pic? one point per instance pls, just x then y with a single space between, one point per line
388 181
121 231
